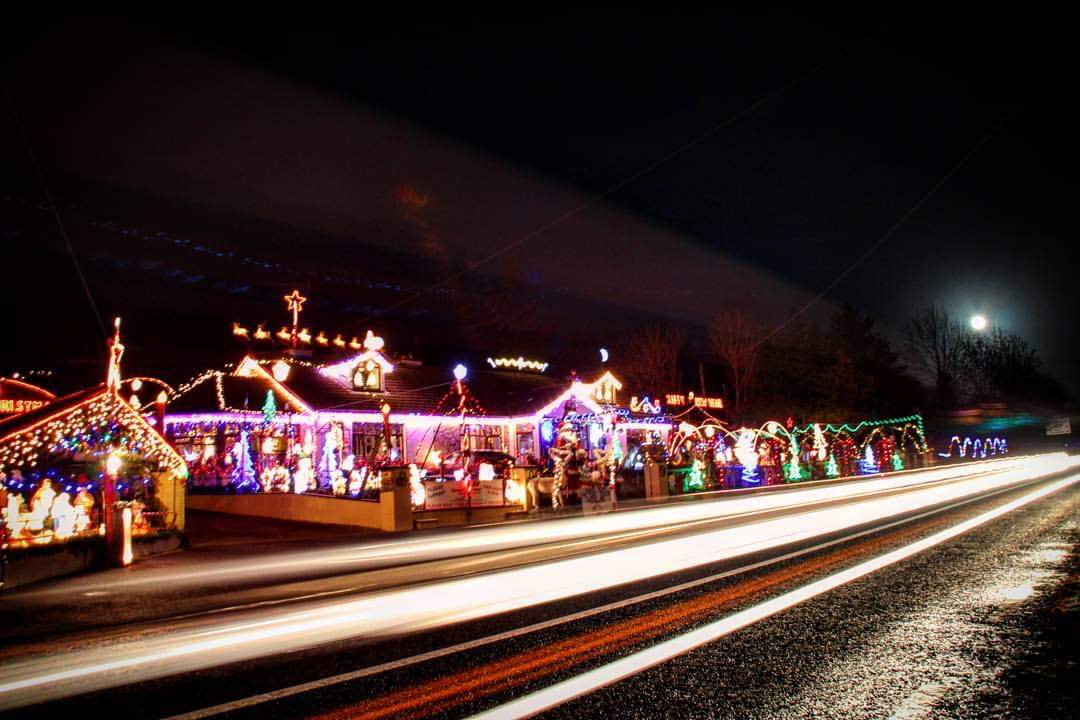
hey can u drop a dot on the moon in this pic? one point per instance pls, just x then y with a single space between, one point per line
978 322
603 355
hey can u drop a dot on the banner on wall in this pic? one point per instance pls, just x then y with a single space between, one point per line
453 494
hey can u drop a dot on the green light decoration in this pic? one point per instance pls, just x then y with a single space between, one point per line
831 468
794 470
269 408
897 461
695 479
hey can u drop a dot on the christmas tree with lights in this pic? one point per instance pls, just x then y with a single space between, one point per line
831 468
243 474
269 408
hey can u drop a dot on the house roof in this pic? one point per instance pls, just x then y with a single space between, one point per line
27 438
13 388
409 389
222 391
17 424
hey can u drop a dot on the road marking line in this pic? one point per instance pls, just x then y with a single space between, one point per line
623 668
332 680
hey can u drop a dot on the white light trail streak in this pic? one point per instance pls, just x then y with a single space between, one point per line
270 631
429 547
623 668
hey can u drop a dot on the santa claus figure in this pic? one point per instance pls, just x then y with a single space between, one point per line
562 453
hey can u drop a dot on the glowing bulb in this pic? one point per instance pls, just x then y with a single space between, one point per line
460 371
162 398
136 384
373 342
978 322
281 370
113 464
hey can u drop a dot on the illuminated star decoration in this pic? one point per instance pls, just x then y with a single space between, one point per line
295 303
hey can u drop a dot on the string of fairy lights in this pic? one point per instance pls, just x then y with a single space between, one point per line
93 428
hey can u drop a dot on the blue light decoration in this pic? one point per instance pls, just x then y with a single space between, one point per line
547 431
746 453
976 448
750 476
243 474
869 463
595 433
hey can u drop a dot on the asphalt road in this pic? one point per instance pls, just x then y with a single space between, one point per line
951 629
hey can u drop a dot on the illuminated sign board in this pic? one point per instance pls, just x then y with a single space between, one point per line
706 403
19 405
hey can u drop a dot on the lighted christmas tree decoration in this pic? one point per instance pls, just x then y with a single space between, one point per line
269 408
243 474
868 464
793 470
831 468
820 449
897 461
329 462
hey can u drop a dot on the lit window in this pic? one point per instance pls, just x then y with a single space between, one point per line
367 376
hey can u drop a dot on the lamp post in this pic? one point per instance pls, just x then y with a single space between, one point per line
113 464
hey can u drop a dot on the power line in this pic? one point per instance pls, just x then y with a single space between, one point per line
577 209
888 233
55 212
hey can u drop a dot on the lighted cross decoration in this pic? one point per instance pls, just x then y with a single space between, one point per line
116 351
295 303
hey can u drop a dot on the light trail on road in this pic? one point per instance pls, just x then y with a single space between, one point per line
411 609
429 547
613 672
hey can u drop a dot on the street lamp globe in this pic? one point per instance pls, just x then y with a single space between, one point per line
113 464
978 322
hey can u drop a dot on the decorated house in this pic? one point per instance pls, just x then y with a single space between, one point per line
305 413
63 462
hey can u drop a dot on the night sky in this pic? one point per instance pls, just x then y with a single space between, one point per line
202 168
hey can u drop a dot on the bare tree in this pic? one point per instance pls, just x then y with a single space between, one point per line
999 365
736 340
935 346
649 358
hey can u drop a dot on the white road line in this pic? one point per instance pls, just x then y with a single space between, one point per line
332 680
623 668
